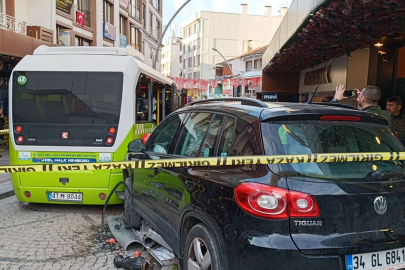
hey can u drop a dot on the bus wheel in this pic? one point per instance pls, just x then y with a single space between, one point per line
131 218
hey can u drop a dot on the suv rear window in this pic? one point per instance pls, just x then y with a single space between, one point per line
307 137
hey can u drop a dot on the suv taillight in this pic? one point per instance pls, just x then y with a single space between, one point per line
275 203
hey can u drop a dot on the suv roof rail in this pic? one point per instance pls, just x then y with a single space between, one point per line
244 101
335 105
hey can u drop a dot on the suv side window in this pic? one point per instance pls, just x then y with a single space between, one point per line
225 146
163 135
192 135
211 139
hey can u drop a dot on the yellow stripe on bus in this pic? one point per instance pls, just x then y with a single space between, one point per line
213 161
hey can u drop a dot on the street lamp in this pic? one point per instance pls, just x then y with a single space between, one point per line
164 32
225 60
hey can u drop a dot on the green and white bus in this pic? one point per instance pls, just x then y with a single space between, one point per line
80 105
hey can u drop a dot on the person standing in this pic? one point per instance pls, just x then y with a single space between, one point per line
394 108
367 98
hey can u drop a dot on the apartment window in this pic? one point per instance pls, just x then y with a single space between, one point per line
198 43
135 38
151 22
181 47
144 48
184 63
81 41
258 64
108 12
153 54
84 7
144 16
189 47
190 62
199 26
63 35
134 8
249 65
123 25
185 33
2 6
189 31
184 48
181 59
197 60
195 28
157 28
196 75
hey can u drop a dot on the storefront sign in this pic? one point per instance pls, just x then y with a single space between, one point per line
213 83
270 97
244 82
64 37
317 76
123 41
110 31
124 3
80 18
189 84
64 5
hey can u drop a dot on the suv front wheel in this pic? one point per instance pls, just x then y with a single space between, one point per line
201 250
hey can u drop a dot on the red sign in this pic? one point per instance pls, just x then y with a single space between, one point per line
190 84
244 82
213 83
80 18
204 85
236 83
180 83
65 135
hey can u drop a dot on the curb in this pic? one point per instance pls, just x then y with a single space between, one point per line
7 194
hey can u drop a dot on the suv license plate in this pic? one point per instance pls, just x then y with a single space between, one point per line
65 197
382 260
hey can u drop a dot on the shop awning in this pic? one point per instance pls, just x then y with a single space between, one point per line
251 74
338 27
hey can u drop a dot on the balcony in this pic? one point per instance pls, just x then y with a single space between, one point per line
12 24
20 27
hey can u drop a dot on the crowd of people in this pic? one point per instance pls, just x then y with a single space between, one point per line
368 100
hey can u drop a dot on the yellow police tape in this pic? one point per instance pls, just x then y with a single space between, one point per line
4 131
213 161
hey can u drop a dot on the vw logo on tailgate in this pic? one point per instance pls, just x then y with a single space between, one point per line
380 205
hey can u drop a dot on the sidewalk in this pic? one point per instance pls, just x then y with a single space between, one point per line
6 189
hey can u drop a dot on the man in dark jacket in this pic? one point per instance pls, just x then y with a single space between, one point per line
367 98
394 107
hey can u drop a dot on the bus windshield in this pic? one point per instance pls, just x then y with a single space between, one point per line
81 98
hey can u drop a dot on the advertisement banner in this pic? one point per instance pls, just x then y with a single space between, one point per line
180 83
123 41
65 37
213 83
236 84
189 84
110 31
244 82
233 82
80 17
64 5
204 85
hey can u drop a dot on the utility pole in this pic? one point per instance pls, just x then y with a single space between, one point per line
164 32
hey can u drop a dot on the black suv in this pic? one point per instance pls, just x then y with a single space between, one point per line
278 216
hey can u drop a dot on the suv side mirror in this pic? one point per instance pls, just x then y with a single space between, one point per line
135 146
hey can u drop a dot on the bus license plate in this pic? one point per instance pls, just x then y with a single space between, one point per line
382 260
65 197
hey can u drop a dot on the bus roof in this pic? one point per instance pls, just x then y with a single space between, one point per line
88 50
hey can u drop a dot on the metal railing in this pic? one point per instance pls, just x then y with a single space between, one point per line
12 24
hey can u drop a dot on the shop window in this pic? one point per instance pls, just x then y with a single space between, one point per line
135 39
108 12
248 65
64 36
134 8
84 7
79 41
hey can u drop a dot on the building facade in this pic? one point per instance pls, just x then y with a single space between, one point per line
171 57
229 34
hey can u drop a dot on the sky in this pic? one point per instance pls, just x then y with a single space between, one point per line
255 7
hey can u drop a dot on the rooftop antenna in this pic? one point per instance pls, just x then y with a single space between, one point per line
173 28
319 82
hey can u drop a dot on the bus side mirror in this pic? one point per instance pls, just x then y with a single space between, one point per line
135 146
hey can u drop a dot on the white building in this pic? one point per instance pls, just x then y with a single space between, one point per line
171 57
230 34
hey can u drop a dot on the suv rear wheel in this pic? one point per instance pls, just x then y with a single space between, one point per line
131 218
201 250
